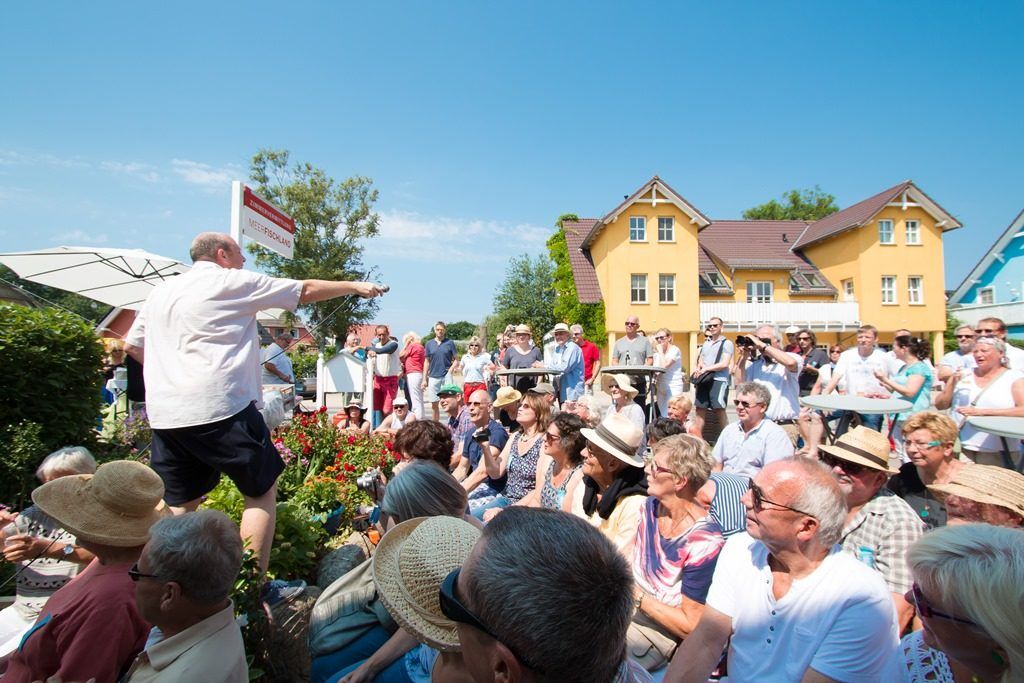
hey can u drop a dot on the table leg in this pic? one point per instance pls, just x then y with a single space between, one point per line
844 424
1007 460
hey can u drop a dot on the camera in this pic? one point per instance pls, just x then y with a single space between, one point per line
481 435
371 481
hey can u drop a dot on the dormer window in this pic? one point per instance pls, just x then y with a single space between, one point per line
812 280
714 279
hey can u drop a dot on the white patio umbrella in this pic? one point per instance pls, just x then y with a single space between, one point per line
117 277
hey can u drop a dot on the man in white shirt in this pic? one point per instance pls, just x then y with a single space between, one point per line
277 366
857 366
791 605
995 327
962 358
762 360
196 335
746 446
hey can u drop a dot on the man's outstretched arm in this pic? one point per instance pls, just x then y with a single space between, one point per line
322 290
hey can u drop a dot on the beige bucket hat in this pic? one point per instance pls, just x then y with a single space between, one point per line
505 396
619 436
863 446
622 380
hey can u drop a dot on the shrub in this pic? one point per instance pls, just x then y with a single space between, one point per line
55 378
23 449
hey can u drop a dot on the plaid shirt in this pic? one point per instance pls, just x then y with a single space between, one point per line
459 426
881 533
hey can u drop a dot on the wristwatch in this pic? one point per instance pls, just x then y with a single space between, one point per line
67 550
637 602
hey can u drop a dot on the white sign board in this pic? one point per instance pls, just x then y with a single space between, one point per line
261 221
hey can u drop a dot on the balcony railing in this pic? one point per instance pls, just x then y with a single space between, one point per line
1011 313
816 316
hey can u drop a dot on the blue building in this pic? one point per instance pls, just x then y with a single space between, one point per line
995 286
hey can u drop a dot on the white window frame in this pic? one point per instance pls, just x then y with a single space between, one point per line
638 289
666 294
715 279
892 232
671 232
849 292
639 228
812 280
890 290
986 292
915 295
754 297
916 233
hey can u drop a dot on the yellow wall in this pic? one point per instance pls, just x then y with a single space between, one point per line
857 254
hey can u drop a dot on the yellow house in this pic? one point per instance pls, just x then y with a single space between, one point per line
656 256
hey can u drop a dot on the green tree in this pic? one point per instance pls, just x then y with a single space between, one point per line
527 295
90 310
460 330
568 308
799 205
331 221
949 342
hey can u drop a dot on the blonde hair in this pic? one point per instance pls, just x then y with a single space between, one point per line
410 338
688 457
977 570
683 401
941 426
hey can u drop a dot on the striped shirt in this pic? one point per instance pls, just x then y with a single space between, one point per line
726 508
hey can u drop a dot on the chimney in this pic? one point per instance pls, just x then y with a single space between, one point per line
784 238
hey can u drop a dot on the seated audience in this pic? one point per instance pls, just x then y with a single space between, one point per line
879 525
506 403
721 495
592 408
967 591
762 360
182 582
790 604
456 416
679 408
747 445
572 594
928 438
46 554
518 460
353 418
91 628
674 555
472 470
614 487
983 493
349 627
560 463
622 393
400 417
662 428
424 440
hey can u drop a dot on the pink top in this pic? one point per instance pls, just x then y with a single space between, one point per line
413 361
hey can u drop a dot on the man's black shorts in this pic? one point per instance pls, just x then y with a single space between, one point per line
712 395
190 460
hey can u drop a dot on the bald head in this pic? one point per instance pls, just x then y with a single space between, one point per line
810 489
480 407
206 244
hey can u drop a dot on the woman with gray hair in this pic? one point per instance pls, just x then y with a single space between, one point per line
988 389
46 553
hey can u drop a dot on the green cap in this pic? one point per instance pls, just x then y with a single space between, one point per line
449 389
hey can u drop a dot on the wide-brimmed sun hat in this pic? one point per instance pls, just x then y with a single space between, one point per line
523 329
619 436
559 327
409 565
622 381
863 446
506 396
986 484
115 507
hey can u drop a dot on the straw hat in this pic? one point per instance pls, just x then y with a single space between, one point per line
986 484
410 563
622 380
523 329
505 396
559 327
116 506
619 436
863 446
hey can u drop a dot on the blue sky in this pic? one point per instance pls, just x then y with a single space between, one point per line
122 124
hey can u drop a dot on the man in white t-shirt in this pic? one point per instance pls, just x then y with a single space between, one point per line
762 360
277 366
960 359
791 605
857 366
995 327
196 337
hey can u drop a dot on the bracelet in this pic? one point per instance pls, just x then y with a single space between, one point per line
638 602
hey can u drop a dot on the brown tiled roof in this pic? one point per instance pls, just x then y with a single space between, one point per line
644 189
588 290
850 217
763 244
705 265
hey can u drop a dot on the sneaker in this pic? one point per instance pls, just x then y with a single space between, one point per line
278 591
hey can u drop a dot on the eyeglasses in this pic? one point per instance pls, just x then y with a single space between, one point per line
745 404
923 444
661 338
926 611
803 339
655 467
134 574
551 438
848 467
632 324
759 501
612 385
453 608
965 336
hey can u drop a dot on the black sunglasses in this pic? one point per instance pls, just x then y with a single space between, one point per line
846 466
745 404
452 608
134 574
759 501
926 611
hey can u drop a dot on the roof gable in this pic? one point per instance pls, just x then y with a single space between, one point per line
985 262
648 192
588 289
862 212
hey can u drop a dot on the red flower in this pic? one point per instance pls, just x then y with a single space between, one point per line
349 467
388 445
351 440
398 457
306 450
322 409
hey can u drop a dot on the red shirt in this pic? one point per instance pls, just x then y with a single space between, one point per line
591 354
90 628
413 358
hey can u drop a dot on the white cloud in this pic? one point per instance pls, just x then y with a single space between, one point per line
411 236
137 170
206 176
13 158
76 237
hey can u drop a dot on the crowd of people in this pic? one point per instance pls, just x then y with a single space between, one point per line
580 529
